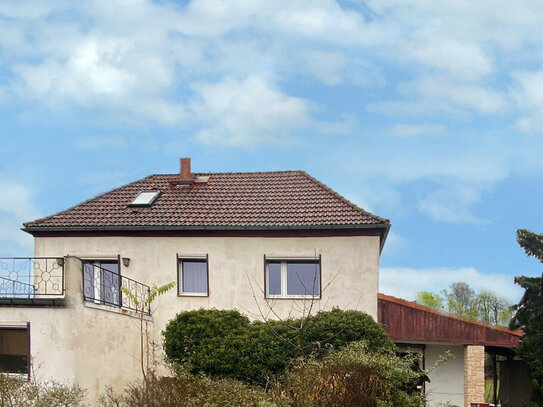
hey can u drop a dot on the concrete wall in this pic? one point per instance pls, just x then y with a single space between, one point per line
96 347
447 381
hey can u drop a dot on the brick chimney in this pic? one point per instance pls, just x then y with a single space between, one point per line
184 169
185 177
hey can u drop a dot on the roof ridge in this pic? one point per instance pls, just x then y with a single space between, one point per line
37 221
341 197
236 172
420 307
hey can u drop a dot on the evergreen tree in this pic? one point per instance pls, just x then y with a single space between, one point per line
529 314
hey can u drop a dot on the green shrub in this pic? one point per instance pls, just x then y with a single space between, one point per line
226 344
338 328
206 340
353 376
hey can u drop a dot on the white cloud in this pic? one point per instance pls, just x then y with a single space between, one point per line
250 72
405 282
16 207
528 94
103 181
326 66
461 59
458 94
247 112
394 243
451 204
417 130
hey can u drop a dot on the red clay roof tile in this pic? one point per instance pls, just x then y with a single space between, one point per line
245 200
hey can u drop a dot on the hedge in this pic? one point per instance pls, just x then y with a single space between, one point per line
226 344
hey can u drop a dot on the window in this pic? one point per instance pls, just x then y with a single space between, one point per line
102 282
297 278
145 198
193 276
15 350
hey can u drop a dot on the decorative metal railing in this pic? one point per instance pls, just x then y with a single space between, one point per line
31 277
102 285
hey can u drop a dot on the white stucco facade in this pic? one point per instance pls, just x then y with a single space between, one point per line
98 347
236 267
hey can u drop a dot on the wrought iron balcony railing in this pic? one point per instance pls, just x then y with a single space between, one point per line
103 284
31 277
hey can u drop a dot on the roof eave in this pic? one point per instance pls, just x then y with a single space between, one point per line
31 229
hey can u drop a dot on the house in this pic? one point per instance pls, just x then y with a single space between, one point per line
229 240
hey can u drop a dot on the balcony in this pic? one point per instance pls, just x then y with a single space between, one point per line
106 286
32 280
41 281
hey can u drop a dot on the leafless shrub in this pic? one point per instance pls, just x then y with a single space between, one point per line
186 390
350 377
15 392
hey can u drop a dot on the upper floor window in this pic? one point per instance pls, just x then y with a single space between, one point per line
102 282
15 350
193 276
297 278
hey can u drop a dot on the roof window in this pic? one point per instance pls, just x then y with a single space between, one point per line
145 198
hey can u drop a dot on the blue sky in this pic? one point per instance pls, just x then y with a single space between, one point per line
427 113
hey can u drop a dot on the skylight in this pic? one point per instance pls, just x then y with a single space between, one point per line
145 198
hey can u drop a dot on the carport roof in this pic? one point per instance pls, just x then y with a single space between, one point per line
408 321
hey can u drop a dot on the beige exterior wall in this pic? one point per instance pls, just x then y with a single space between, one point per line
234 265
95 347
447 381
474 374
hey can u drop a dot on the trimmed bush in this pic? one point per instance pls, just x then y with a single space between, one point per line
206 340
226 344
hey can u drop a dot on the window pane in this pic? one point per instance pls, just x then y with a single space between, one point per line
274 278
88 280
303 278
194 276
14 350
109 282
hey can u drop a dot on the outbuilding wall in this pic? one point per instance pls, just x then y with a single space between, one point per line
447 380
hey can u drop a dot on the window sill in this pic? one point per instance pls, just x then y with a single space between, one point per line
117 310
294 297
202 295
20 376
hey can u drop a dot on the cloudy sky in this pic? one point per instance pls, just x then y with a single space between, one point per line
427 113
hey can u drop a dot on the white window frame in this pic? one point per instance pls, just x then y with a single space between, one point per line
284 291
191 257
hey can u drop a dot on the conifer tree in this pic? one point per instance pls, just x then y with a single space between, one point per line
529 314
